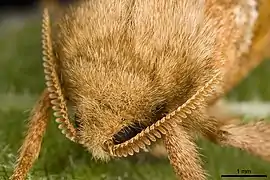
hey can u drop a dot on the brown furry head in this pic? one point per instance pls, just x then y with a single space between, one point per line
122 68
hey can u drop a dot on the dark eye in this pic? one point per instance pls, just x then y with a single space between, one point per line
158 112
128 132
131 131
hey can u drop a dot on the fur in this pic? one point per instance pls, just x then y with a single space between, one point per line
120 60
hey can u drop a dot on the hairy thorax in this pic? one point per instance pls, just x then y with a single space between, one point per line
125 64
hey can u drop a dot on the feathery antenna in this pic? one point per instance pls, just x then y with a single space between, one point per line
52 81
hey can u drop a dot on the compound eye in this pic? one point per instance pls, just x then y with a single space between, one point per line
127 133
158 112
132 130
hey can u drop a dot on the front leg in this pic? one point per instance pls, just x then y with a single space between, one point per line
183 155
253 137
30 149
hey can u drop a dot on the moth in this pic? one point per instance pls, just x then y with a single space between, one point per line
133 72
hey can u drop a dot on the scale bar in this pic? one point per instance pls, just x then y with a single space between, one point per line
244 175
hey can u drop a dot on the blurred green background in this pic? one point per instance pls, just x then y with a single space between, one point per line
21 78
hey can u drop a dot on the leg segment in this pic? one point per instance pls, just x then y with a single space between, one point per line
183 155
30 149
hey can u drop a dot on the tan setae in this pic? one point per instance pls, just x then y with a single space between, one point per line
137 71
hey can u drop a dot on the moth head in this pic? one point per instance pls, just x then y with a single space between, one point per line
112 108
117 112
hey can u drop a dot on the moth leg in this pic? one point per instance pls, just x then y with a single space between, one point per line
183 155
30 149
252 136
